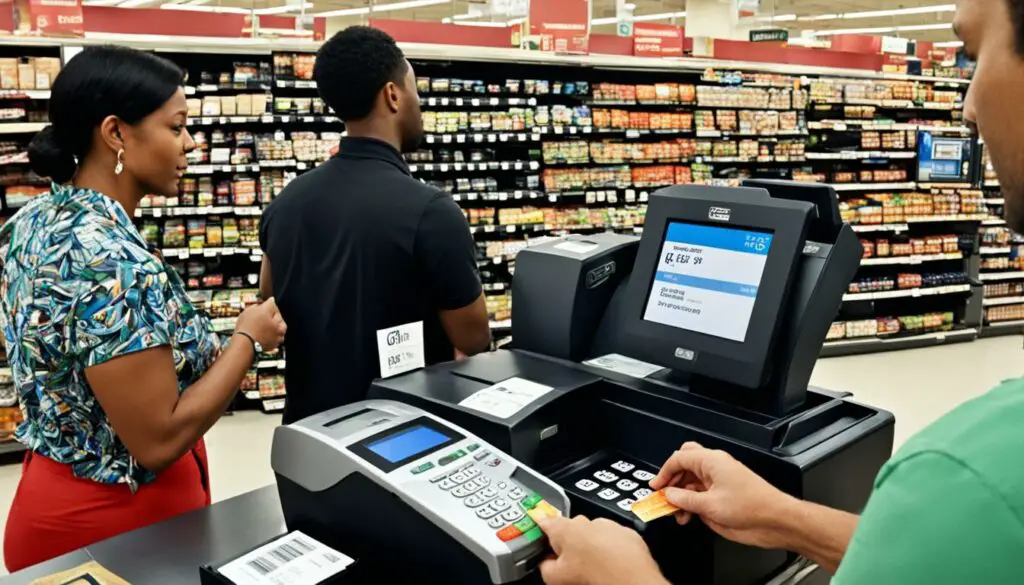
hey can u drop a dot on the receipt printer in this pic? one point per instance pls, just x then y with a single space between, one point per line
411 495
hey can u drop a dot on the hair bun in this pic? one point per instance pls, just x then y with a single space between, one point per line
48 159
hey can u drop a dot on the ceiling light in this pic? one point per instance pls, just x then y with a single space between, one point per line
197 8
283 9
133 3
946 44
483 23
782 18
100 2
639 18
937 9
382 8
881 29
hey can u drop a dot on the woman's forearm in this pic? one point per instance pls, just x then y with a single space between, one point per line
817 532
202 405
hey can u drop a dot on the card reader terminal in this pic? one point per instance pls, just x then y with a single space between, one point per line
466 488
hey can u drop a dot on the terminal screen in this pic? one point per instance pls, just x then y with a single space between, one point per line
707 279
407 443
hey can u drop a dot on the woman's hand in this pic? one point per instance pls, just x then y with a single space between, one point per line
263 323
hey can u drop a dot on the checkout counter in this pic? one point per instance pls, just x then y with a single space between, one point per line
705 329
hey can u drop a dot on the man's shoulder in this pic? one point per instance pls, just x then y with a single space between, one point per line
984 435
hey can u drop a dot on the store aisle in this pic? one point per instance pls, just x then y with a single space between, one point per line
917 385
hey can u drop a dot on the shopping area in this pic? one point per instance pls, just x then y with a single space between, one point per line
554 148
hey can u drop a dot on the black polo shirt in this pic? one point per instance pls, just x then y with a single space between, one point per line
355 246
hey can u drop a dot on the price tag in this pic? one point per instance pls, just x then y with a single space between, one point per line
488 228
302 166
447 139
183 253
286 119
840 127
553 198
209 253
158 213
505 137
478 138
588 129
471 167
505 166
497 259
413 168
534 165
558 130
444 168
461 138
476 102
522 137
266 119
495 101
510 229
518 194
458 101
492 138
519 166
238 119
430 138
432 101
444 101
532 101
502 196
400 349
457 166
632 134
915 293
573 129
473 196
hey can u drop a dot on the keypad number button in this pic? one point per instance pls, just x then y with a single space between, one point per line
626 485
474 501
496 523
623 466
641 493
512 515
499 505
446 484
607 494
587 485
485 513
605 476
626 504
472 472
516 494
460 492
459 477
642 475
488 492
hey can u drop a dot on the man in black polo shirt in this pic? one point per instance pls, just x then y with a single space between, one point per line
374 271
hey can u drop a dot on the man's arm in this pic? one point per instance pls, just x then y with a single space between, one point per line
934 520
446 253
266 280
819 533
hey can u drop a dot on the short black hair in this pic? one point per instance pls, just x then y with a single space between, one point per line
353 66
100 81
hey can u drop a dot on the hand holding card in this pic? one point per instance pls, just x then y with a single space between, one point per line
653 507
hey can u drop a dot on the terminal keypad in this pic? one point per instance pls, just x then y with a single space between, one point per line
612 480
502 504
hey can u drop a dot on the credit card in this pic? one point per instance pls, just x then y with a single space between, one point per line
653 507
543 510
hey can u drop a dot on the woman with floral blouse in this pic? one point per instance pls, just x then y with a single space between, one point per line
118 375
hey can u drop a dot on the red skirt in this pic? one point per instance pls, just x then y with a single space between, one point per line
54 512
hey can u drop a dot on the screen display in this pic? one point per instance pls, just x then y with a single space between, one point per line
407 443
707 279
943 158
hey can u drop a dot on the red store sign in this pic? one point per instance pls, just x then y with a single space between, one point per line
562 25
657 40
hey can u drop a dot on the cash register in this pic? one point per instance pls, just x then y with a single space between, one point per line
704 329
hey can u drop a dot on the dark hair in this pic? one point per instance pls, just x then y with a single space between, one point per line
100 81
353 66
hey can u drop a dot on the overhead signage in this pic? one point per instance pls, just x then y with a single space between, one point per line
769 35
657 40
561 26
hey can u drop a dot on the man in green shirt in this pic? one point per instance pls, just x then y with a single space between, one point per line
948 508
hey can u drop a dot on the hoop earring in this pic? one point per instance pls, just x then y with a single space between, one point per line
119 167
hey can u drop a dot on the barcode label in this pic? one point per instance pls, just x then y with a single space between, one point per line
293 559
281 555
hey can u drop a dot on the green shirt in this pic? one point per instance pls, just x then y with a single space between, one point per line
948 508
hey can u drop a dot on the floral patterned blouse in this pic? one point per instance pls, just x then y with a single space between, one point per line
78 287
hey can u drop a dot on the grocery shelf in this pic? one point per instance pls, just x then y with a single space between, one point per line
482 137
909 292
994 276
994 250
300 84
475 166
994 221
996 301
873 186
1000 328
501 196
11 446
262 119
995 201
174 211
991 183
254 254
911 260
31 94
876 344
254 167
501 325
860 154
842 125
270 365
21 127
458 102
